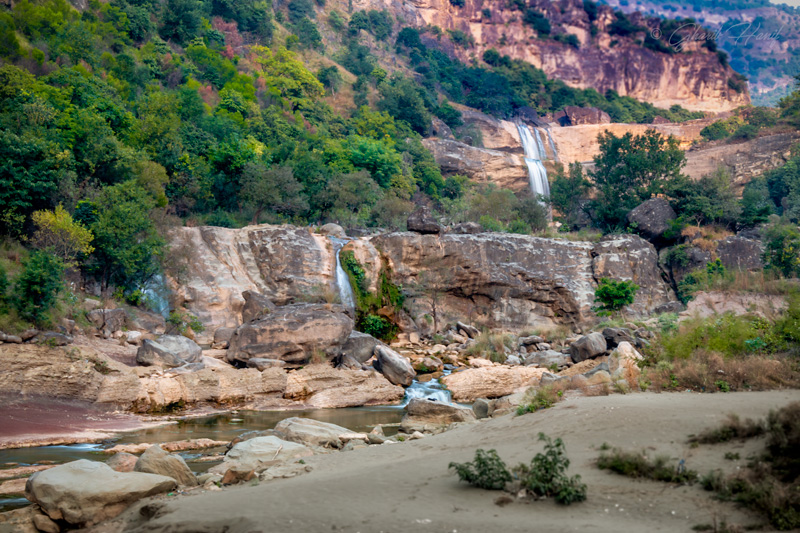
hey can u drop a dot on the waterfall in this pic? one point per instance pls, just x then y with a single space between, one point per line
346 294
156 295
537 175
552 144
432 390
539 143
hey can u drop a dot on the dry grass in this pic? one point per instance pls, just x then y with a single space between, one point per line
491 346
705 237
709 372
732 428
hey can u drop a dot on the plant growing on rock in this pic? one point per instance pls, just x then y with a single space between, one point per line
37 287
613 295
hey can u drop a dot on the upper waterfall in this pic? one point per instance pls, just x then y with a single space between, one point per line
534 153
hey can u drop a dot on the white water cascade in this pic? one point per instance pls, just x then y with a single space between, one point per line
432 390
552 144
156 295
346 294
534 153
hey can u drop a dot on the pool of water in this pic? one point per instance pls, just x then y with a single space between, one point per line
222 427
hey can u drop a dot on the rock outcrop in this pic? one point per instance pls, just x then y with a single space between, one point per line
292 333
484 165
84 493
427 415
490 382
311 432
259 453
157 461
651 218
325 387
396 368
739 253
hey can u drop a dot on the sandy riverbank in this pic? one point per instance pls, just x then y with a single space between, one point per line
407 487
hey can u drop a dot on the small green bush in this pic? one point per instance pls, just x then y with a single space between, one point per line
486 471
543 398
637 465
3 286
181 322
546 475
613 295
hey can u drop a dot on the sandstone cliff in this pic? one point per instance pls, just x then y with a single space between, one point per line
695 80
499 280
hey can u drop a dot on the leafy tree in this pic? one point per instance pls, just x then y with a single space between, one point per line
181 20
274 188
330 77
709 200
308 33
403 99
57 233
715 131
4 284
631 169
568 193
613 295
127 244
536 18
782 249
36 288
756 206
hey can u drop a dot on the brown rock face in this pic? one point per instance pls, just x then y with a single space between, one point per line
483 165
694 79
292 333
577 116
280 262
516 282
324 387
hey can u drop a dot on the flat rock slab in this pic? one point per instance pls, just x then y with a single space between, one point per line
259 454
312 432
85 492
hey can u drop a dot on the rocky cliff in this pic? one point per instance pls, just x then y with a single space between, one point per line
499 280
693 78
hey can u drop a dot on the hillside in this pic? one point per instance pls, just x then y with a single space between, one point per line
761 38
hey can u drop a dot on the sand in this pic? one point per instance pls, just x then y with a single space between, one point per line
407 486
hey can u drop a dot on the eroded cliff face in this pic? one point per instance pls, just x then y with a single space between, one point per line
500 280
695 80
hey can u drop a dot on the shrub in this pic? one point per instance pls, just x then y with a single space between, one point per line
37 287
614 295
3 286
58 233
715 131
637 465
180 322
732 428
377 326
542 398
486 471
546 475
782 249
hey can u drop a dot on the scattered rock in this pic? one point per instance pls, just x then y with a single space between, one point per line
483 408
222 337
614 336
50 338
429 364
651 218
427 415
549 378
151 353
28 334
84 493
259 453
422 221
292 333
311 432
396 368
360 346
548 358
185 348
155 460
44 524
588 346
471 331
123 462
467 228
623 362
531 340
111 320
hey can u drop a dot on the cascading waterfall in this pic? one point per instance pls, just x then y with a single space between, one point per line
346 294
539 143
552 144
537 175
156 294
432 390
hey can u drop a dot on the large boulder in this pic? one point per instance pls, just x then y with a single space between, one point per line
256 306
325 387
739 253
333 230
111 320
157 461
614 336
548 358
490 381
395 367
123 462
428 415
311 432
360 346
588 347
84 492
651 218
292 333
422 221
260 453
183 347
152 353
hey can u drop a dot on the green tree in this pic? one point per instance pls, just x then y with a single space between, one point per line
274 188
60 235
709 200
613 295
782 249
631 169
755 204
127 243
181 20
36 288
403 99
569 192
